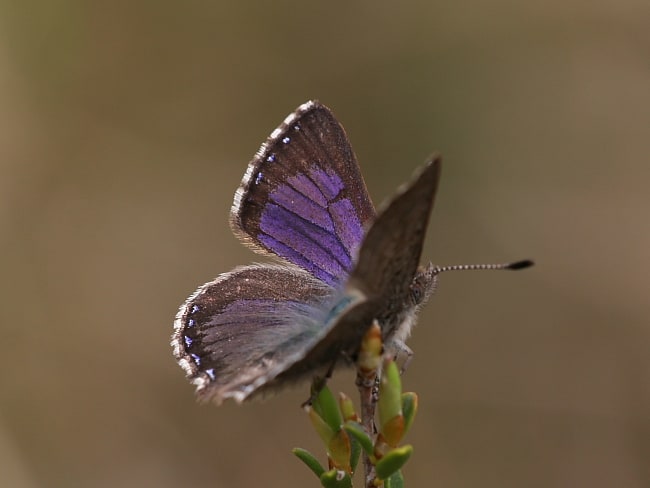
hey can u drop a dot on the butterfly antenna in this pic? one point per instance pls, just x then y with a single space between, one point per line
526 263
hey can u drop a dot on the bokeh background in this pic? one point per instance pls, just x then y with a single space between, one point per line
125 128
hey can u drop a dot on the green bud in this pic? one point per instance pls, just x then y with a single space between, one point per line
347 408
369 358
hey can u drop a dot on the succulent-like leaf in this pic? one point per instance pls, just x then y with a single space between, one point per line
393 461
328 408
347 408
393 430
356 430
409 409
390 393
355 453
309 459
396 480
339 450
323 429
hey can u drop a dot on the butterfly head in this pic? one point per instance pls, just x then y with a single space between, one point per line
423 285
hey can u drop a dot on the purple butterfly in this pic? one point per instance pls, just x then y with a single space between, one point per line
342 266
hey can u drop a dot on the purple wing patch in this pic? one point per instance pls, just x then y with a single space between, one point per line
306 223
303 197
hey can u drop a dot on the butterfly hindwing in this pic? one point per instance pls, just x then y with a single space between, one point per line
235 334
303 197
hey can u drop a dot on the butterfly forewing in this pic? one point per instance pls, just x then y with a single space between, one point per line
390 254
303 197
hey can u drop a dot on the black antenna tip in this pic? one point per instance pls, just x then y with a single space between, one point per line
526 263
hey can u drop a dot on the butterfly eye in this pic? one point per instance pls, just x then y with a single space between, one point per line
422 285
417 293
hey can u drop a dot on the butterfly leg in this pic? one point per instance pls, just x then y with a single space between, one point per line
402 354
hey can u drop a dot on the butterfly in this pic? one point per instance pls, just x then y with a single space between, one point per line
340 266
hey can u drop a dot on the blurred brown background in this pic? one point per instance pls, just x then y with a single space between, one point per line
126 127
